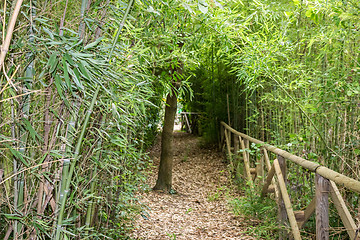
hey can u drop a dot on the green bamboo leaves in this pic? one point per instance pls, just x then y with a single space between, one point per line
120 27
290 76
68 173
51 142
203 6
93 44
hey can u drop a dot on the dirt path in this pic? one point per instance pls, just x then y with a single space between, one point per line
199 210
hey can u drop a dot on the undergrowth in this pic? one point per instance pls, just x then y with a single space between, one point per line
261 214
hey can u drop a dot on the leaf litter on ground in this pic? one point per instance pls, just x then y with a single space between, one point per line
199 209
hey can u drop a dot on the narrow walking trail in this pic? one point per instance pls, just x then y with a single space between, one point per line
200 208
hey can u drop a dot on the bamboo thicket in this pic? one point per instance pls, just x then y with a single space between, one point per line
57 88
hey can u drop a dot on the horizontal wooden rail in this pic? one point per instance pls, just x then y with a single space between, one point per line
336 177
275 181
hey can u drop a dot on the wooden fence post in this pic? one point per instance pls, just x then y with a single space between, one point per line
283 167
230 138
247 146
281 204
246 161
325 180
322 207
228 144
260 169
236 156
222 136
236 145
286 199
343 211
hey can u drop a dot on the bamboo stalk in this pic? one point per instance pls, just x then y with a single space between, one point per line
228 108
5 46
67 178
82 16
15 169
61 31
120 28
26 101
70 131
47 126
91 205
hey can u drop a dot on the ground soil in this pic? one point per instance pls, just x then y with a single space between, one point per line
199 209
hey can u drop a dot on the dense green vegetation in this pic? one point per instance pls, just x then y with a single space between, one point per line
82 86
289 72
74 103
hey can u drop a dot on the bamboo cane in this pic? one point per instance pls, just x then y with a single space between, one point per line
67 179
93 183
82 23
27 86
5 46
120 28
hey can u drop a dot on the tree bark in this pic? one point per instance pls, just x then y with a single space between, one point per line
164 180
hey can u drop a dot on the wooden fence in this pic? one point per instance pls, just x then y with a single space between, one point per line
326 183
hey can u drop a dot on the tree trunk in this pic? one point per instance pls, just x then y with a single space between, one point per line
164 180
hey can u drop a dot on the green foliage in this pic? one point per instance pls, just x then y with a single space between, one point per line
289 74
171 236
285 72
69 67
218 194
261 211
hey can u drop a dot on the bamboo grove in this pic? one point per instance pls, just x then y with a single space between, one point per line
286 72
82 83
73 103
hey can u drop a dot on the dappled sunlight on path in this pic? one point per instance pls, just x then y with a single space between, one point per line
199 210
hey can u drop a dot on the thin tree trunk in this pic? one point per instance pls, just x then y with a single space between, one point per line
164 180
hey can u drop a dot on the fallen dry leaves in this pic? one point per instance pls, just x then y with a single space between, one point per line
199 210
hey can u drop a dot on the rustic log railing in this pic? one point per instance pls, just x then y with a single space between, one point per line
326 182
